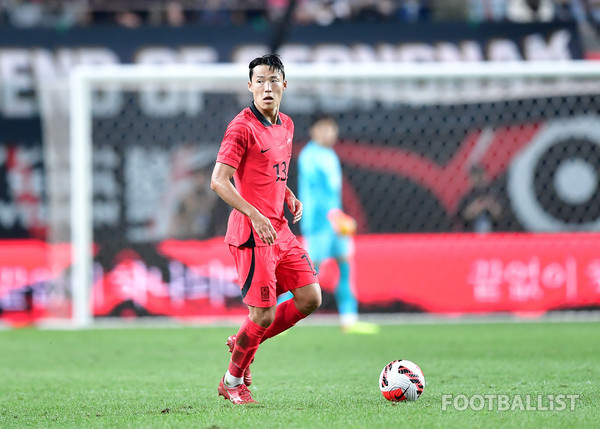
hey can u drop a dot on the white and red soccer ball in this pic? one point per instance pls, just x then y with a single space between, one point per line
401 380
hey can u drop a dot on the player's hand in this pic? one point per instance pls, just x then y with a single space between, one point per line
295 206
263 227
342 223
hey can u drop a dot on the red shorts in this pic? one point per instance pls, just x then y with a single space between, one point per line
265 272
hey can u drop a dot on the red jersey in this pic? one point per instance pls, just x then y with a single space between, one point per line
260 152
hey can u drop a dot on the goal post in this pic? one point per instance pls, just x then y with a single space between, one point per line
83 80
385 88
81 198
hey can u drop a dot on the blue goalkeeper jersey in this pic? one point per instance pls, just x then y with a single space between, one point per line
319 187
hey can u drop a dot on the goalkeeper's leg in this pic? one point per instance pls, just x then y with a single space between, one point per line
347 303
344 296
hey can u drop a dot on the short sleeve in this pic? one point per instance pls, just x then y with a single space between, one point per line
234 144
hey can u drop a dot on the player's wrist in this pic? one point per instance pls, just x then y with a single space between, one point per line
254 214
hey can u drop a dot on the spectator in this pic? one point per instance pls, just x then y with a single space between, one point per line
453 10
127 18
373 10
219 12
480 210
194 211
487 10
175 15
24 14
413 10
530 10
569 10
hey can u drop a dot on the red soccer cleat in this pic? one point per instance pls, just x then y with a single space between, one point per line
247 375
237 395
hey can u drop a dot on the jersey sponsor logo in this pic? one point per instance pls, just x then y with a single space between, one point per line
265 150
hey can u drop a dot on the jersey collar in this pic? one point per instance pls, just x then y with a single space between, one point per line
261 117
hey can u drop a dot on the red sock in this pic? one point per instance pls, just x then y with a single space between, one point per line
286 316
246 344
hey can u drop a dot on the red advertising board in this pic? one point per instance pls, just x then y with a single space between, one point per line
437 273
463 273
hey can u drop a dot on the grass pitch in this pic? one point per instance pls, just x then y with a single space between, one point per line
312 377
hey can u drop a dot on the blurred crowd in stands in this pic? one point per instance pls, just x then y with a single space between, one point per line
134 13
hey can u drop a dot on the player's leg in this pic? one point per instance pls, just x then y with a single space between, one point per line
233 385
258 286
328 244
247 341
345 295
311 243
295 273
305 300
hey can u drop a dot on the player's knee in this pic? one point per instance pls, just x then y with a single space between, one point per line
312 300
263 317
266 321
316 303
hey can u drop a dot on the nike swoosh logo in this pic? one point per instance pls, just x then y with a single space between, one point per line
264 150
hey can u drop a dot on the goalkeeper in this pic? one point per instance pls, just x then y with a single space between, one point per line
326 229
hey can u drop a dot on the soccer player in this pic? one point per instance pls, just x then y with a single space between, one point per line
326 229
256 152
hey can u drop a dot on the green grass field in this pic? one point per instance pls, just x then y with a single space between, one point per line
312 377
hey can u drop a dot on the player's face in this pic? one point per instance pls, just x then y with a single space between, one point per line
267 88
325 132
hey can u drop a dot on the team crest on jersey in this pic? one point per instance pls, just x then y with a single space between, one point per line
264 293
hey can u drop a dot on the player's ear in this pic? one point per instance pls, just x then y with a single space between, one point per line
249 86
285 84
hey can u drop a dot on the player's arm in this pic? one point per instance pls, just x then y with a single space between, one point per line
220 182
294 204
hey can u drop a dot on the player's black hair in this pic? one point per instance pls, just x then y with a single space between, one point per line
271 60
321 116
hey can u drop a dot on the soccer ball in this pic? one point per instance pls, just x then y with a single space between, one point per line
401 380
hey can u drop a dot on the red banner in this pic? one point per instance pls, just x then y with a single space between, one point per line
438 273
197 279
458 273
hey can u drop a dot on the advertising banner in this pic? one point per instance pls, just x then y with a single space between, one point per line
433 273
470 273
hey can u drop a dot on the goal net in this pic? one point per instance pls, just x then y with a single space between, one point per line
129 151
